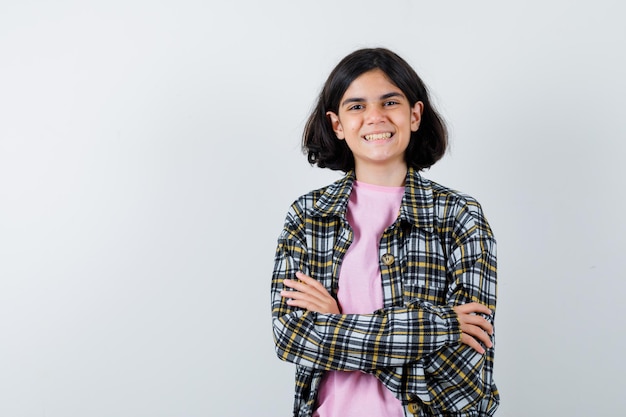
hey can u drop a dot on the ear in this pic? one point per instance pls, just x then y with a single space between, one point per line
336 124
416 115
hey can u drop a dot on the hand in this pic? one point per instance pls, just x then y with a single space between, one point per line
474 328
309 294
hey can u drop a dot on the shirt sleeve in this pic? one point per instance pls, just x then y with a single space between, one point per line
386 338
472 277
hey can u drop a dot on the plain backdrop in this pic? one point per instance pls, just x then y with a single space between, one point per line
149 151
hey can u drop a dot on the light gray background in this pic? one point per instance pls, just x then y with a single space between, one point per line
149 151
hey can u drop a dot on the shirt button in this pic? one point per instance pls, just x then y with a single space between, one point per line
414 408
387 259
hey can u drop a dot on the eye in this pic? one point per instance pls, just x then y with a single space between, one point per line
390 103
356 107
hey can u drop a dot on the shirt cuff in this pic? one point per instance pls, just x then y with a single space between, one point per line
451 319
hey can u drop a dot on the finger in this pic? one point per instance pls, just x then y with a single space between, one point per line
306 294
302 288
309 294
312 302
308 286
310 281
301 275
478 321
297 299
304 303
478 334
299 286
471 342
473 308
299 295
292 294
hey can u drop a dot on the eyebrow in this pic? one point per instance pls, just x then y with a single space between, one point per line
359 99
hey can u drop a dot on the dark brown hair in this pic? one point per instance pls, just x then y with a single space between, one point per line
427 145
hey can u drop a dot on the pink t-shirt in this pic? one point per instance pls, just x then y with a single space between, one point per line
371 209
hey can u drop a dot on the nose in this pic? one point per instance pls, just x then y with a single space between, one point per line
374 114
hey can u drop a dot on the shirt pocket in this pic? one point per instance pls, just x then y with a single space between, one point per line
425 286
424 269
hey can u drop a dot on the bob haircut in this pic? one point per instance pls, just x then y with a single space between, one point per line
426 146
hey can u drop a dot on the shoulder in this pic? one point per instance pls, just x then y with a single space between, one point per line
458 210
309 199
321 206
306 203
328 201
449 197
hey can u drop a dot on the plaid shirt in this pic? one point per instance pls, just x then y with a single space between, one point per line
439 253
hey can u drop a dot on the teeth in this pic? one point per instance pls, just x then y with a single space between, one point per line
378 136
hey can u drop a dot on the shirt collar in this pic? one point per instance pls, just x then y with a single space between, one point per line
334 199
417 203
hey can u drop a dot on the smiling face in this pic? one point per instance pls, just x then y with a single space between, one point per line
376 120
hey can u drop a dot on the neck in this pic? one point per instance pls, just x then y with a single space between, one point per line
382 175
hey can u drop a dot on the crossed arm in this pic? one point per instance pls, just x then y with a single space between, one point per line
307 293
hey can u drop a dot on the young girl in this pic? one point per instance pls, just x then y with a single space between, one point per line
384 284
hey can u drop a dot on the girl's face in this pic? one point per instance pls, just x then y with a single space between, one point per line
376 120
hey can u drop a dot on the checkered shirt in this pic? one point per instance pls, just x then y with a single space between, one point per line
443 254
